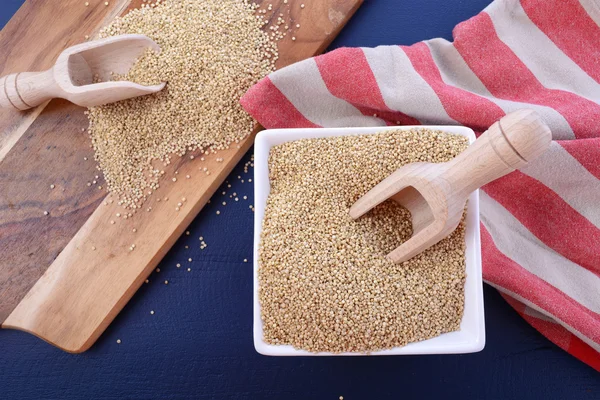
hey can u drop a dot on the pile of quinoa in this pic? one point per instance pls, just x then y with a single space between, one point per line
212 52
324 282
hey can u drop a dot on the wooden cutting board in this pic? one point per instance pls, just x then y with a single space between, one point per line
66 275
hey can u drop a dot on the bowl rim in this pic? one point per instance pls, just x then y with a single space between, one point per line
471 336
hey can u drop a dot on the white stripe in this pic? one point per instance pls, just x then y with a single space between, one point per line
456 72
542 57
561 130
559 171
304 87
402 87
454 69
516 242
549 317
592 8
532 312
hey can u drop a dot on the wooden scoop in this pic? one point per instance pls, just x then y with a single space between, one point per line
72 75
435 194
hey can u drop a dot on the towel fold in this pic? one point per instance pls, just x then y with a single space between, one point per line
540 225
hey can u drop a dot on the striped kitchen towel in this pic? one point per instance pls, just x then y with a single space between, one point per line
540 225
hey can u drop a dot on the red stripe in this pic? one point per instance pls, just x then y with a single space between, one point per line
271 108
558 335
546 215
504 272
571 29
507 77
553 331
348 76
514 303
584 352
465 107
587 152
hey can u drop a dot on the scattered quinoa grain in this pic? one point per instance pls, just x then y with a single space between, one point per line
220 51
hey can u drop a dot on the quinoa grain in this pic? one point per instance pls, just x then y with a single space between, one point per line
324 281
212 51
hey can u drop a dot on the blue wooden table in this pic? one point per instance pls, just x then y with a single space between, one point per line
198 343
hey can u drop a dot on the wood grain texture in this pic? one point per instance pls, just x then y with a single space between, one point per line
51 152
29 42
43 146
83 289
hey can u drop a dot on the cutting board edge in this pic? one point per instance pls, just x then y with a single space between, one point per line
20 317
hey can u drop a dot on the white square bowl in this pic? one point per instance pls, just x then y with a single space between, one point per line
471 336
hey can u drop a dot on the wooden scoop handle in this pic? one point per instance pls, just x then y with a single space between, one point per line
26 90
509 144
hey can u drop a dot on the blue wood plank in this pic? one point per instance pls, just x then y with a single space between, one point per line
7 9
198 343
